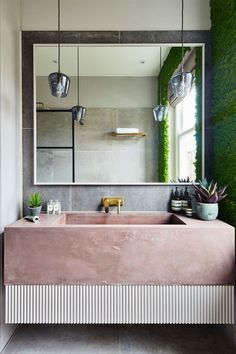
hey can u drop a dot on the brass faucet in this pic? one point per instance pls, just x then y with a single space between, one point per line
107 202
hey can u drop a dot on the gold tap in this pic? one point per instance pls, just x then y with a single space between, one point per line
107 202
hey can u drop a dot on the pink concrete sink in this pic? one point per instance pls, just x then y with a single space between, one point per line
122 219
132 248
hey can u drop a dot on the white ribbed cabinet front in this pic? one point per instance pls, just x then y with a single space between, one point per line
119 304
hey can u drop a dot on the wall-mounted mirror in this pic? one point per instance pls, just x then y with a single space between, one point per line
120 142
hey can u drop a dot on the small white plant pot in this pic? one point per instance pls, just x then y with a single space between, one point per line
207 212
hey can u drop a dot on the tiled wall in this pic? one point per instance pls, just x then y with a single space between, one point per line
83 198
99 156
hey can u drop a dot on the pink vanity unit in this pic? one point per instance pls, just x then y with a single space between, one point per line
135 267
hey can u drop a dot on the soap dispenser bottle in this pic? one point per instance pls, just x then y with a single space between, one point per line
176 203
189 208
185 198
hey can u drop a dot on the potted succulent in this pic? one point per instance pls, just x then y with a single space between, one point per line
208 194
35 204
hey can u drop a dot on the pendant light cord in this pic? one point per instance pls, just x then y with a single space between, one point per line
182 35
59 35
160 80
78 54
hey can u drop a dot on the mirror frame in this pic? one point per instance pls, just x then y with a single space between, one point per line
31 38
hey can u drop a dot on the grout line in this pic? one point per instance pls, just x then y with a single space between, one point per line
10 339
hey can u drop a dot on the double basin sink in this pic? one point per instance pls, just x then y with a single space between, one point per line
134 248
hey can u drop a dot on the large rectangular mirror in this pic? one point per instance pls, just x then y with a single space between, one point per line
119 142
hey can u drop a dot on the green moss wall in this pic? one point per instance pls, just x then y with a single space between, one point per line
198 84
223 17
169 66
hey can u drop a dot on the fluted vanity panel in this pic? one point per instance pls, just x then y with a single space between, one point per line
117 304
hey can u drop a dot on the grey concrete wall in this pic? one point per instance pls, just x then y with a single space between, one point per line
102 158
80 15
99 157
10 134
120 92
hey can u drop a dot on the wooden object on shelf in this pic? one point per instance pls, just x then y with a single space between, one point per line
132 135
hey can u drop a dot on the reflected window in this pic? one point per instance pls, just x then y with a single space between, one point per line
185 136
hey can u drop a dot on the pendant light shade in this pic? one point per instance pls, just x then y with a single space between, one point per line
182 82
78 114
59 83
160 111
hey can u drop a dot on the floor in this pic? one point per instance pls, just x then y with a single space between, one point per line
127 339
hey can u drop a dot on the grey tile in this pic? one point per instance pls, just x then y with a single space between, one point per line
99 37
164 36
54 129
150 36
101 158
54 165
144 198
175 339
96 133
128 166
64 339
87 198
123 339
61 193
28 157
86 167
137 198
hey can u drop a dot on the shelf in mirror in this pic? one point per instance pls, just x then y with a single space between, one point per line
131 135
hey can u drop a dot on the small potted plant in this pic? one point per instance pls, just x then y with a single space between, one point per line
208 194
35 204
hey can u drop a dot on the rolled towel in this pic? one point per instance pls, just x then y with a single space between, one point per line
32 218
127 130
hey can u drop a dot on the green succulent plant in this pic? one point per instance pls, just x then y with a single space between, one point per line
209 192
35 200
182 180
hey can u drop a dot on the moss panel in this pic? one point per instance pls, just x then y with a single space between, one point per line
223 16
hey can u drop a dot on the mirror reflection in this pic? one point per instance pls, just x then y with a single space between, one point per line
108 129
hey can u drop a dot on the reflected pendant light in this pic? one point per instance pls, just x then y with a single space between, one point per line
78 112
160 111
182 82
59 83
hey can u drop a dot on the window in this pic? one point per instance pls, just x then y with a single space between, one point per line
185 136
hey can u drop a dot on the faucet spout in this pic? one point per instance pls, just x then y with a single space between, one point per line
108 202
118 207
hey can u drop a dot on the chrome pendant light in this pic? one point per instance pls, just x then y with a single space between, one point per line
59 83
78 112
160 111
182 82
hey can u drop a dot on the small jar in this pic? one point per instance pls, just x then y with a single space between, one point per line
56 207
189 209
50 207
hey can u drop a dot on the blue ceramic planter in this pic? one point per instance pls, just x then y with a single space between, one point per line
207 212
